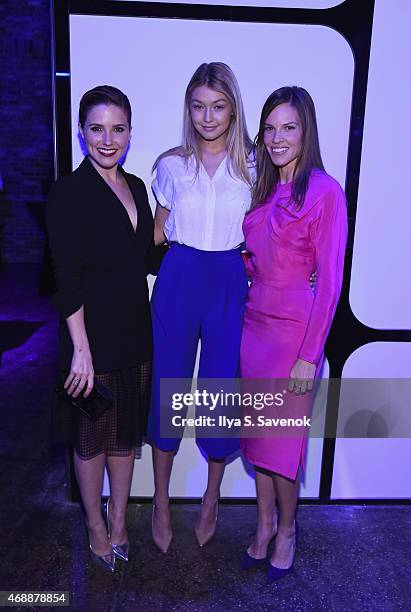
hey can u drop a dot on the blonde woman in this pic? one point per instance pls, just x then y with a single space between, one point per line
203 190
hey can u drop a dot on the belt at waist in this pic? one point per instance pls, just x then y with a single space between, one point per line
183 248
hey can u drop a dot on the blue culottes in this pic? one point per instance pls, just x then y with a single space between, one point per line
197 295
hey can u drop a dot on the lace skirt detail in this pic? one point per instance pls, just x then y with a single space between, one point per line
119 430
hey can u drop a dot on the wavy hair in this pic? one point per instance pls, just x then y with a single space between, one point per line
268 175
219 77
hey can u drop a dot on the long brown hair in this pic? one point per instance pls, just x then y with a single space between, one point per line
219 77
268 175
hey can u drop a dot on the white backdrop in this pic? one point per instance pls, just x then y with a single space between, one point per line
155 73
382 246
380 290
140 60
376 467
152 61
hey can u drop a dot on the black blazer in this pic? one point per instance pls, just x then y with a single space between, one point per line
100 263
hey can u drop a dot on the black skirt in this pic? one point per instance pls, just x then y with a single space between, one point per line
119 430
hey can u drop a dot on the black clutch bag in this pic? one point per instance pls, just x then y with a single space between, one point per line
93 406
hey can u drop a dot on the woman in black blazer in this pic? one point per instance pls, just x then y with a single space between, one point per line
101 231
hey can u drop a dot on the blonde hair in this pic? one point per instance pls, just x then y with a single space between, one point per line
219 77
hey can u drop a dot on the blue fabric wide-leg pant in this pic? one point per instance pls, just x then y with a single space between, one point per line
197 294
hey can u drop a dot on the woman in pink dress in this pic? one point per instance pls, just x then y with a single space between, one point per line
297 224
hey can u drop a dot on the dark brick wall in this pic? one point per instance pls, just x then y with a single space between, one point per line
26 128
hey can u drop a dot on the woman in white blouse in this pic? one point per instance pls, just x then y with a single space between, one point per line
203 190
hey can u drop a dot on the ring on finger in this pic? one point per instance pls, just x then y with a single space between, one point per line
76 381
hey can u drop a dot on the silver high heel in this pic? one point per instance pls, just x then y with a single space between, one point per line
107 562
120 550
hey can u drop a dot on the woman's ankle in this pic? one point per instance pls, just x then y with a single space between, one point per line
161 502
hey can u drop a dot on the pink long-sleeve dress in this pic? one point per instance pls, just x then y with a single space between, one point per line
284 318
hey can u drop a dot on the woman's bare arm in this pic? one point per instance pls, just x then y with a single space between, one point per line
160 218
81 370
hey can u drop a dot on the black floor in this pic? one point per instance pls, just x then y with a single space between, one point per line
349 557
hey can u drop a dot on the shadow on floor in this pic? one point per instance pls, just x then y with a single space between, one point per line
349 557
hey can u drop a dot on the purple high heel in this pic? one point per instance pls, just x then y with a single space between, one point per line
249 562
276 573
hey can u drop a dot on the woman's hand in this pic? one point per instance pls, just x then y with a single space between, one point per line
81 374
81 370
313 279
247 264
302 377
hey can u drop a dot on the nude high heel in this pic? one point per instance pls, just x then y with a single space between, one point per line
203 537
163 542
